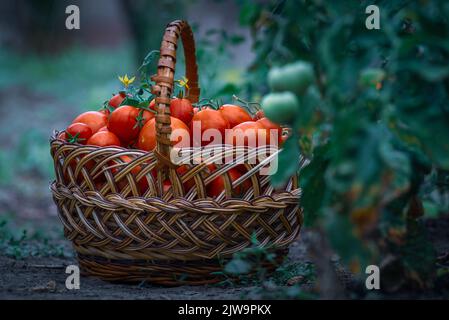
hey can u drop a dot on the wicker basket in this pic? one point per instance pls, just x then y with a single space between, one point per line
173 236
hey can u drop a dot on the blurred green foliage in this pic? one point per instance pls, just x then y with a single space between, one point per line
50 91
29 240
374 123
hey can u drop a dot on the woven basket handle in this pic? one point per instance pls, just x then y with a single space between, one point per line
165 80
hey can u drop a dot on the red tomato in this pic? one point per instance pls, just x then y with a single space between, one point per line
166 185
267 124
94 119
116 100
78 133
234 114
62 136
252 134
182 109
152 105
195 110
125 124
259 115
103 139
246 134
209 119
105 128
147 136
216 186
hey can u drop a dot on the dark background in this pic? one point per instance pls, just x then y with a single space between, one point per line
50 74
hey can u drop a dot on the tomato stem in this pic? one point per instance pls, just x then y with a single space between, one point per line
248 104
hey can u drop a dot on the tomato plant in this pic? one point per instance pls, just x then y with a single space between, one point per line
360 103
281 107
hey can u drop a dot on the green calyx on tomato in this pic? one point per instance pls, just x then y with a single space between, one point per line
294 77
74 139
281 107
140 120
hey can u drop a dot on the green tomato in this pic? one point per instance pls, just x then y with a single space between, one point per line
371 77
281 107
294 77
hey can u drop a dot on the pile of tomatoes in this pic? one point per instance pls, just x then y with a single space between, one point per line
134 127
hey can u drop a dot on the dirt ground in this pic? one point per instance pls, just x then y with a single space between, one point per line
44 278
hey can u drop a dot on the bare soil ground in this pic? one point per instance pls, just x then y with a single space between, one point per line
44 278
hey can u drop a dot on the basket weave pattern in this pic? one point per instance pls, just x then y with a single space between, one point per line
122 231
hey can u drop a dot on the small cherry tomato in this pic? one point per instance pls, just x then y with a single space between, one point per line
78 133
94 119
125 122
234 114
182 109
104 139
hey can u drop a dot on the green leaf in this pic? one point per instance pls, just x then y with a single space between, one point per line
238 266
342 238
130 102
288 162
313 185
418 252
249 13
236 39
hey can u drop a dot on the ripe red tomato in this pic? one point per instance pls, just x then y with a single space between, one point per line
125 122
78 133
103 139
246 134
117 99
208 119
152 105
166 185
216 186
267 124
234 114
94 119
259 115
105 128
189 183
254 134
182 109
147 136
62 136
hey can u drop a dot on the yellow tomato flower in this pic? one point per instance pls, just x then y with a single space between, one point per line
183 82
126 81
